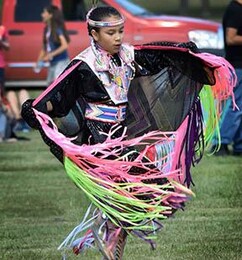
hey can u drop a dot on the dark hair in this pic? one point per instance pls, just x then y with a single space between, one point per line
99 13
57 22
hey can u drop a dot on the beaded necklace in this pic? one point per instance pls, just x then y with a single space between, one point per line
120 73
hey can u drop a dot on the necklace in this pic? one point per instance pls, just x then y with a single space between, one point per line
119 69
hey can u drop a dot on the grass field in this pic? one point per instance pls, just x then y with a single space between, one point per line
40 206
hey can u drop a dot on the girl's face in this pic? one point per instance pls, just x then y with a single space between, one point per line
46 16
109 38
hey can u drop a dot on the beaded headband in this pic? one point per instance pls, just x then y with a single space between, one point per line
103 23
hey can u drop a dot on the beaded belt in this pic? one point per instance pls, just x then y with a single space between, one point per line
104 113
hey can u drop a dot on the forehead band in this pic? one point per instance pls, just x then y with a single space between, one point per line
105 23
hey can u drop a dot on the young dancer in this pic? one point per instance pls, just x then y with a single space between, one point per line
126 122
231 125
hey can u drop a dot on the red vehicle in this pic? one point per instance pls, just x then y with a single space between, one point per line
23 21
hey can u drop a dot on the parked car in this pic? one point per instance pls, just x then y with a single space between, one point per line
23 21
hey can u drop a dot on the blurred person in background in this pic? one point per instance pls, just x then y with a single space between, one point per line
7 121
231 125
11 100
16 99
6 115
5 125
4 46
55 43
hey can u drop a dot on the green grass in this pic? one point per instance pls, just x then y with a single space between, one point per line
40 206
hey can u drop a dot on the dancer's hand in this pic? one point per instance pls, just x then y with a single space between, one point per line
28 114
